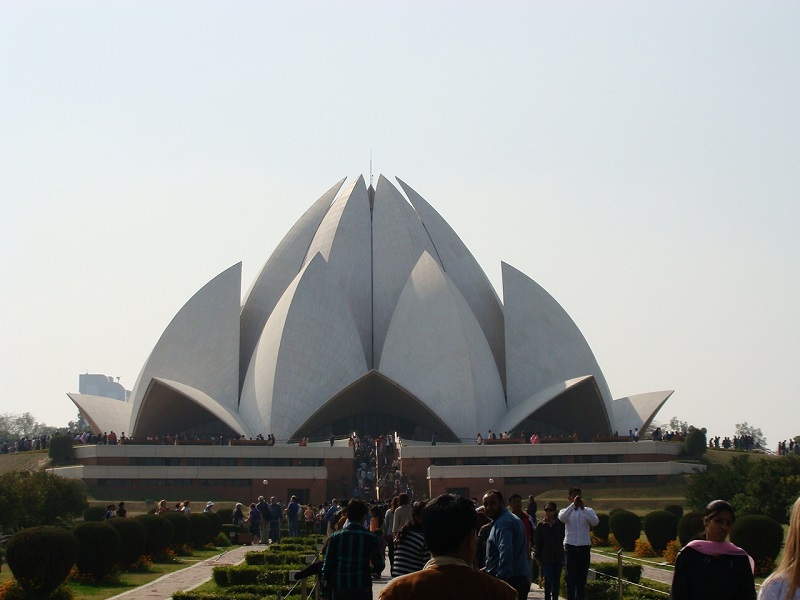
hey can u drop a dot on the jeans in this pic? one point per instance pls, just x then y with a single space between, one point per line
552 580
577 569
275 531
521 584
294 527
352 594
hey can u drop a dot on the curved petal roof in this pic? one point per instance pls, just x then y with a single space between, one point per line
200 346
371 312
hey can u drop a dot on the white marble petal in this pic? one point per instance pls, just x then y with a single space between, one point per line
465 272
544 347
184 409
200 346
436 350
277 273
637 412
104 414
310 350
398 240
344 240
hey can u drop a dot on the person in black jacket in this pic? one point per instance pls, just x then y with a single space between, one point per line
548 549
711 568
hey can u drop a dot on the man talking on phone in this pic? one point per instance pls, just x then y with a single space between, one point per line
578 520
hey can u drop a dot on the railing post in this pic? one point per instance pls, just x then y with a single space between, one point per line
304 588
619 574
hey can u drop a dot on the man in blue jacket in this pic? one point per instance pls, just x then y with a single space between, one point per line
507 546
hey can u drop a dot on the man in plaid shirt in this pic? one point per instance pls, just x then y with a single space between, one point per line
352 555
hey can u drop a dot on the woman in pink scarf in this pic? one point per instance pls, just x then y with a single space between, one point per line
712 568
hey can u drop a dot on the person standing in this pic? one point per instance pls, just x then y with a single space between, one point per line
402 514
293 516
548 549
265 521
351 556
410 549
275 520
714 569
507 547
449 524
388 529
578 519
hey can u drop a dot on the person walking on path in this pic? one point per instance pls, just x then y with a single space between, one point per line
578 520
507 551
548 549
449 524
351 556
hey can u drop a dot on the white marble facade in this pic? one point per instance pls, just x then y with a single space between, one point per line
370 281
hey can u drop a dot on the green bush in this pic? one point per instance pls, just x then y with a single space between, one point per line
225 515
34 498
183 528
132 537
216 523
160 532
222 541
690 527
695 444
202 529
41 558
12 590
99 549
630 572
60 449
759 535
253 574
94 513
626 527
602 530
675 509
660 527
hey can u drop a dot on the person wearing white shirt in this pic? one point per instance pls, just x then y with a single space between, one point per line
578 520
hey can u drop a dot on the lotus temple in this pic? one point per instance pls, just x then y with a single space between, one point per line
370 315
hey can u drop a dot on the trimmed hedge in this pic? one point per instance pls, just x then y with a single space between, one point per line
602 529
182 525
132 537
675 509
41 558
660 527
159 533
626 527
759 535
276 558
253 575
99 549
690 527
192 595
202 529
94 513
630 572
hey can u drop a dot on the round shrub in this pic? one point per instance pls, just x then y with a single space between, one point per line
690 527
675 509
660 527
160 532
60 449
216 522
41 558
225 515
626 527
758 535
182 525
132 537
202 529
602 530
94 513
99 549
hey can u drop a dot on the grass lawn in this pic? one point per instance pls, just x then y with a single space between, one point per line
128 581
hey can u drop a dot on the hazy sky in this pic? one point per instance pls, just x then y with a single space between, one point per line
640 160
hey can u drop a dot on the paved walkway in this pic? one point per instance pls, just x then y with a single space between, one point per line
191 577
